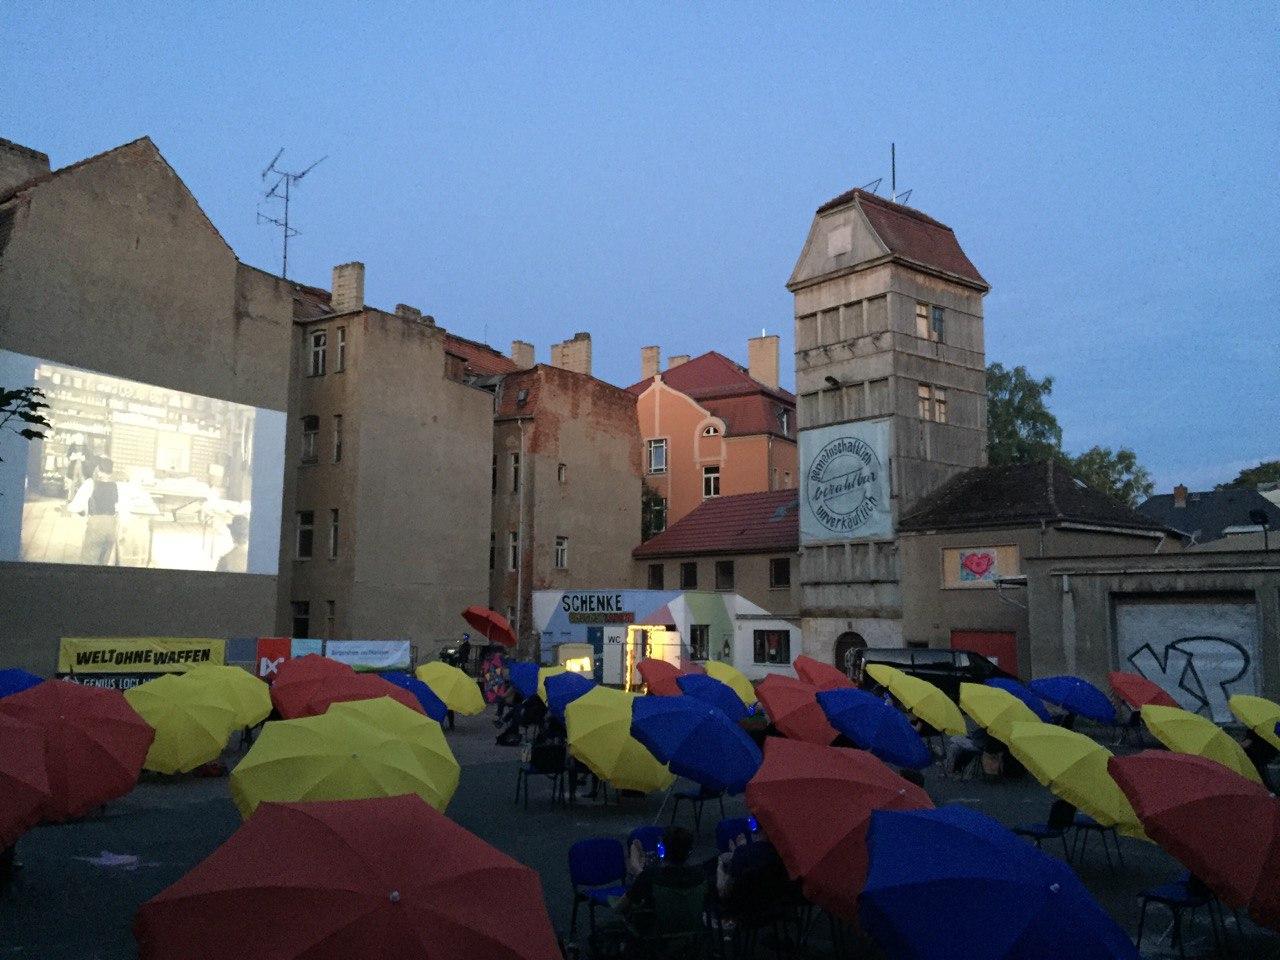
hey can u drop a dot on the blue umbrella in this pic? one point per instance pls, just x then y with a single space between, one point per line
15 680
696 740
564 688
1076 696
524 677
875 726
1002 899
715 692
432 705
1035 704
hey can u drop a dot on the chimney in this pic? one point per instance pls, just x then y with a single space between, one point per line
650 362
573 355
678 359
1180 496
522 354
762 359
348 288
406 311
18 164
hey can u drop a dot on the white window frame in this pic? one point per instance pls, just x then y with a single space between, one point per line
711 481
939 405
513 550
334 527
562 473
924 401
319 348
337 438
310 438
657 443
515 473
562 553
310 527
340 350
922 320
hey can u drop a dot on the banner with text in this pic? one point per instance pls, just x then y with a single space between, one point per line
369 654
137 654
844 482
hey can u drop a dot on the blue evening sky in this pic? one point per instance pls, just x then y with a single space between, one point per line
647 172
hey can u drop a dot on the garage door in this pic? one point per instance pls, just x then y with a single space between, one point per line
1201 649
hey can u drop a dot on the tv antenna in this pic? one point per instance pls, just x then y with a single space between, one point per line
281 189
873 186
893 177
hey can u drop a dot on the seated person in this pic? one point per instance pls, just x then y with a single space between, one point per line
672 870
751 879
531 712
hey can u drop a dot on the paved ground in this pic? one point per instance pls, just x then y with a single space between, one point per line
71 903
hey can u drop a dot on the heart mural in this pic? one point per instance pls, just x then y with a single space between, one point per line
978 563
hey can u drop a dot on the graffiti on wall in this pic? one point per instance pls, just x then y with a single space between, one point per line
1201 673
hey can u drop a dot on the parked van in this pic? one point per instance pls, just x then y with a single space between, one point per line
943 668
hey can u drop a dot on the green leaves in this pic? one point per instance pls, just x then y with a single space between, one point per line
24 405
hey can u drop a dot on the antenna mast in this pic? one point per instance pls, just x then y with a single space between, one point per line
893 177
281 189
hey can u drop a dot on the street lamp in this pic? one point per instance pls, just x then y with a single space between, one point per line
1261 519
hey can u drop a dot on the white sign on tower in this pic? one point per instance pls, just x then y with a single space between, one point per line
844 482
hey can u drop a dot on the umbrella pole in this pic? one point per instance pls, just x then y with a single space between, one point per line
662 806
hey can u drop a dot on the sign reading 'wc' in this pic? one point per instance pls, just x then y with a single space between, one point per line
844 488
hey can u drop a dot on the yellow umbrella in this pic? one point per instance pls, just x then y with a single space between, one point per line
599 726
543 673
994 710
1186 732
1258 714
1074 767
920 697
334 757
734 677
459 692
248 697
421 733
192 722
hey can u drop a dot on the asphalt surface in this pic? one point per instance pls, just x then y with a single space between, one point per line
81 883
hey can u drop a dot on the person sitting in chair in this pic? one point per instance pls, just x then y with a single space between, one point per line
671 869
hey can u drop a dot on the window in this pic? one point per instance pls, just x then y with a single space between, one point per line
493 550
939 405
306 533
779 572
689 575
493 480
337 438
301 618
710 482
699 641
929 322
318 340
724 574
772 646
340 350
931 403
333 534
711 431
562 473
513 550
923 402
922 321
310 435
511 615
330 615
515 473
657 515
657 456
655 576
562 553
937 326
784 421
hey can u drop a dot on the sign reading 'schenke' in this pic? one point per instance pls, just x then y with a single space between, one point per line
845 482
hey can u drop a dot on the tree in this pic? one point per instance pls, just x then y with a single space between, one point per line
1020 427
1268 471
24 405
1118 474
653 512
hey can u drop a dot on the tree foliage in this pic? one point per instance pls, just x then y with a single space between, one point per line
653 512
1268 471
20 412
1020 426
1116 473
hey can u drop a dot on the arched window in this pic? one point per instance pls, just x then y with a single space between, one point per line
711 430
846 644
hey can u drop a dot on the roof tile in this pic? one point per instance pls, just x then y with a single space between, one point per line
746 523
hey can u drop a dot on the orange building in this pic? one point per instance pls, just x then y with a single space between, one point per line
710 427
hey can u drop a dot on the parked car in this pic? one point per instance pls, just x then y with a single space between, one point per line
944 668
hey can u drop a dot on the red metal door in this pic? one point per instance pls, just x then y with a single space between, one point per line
998 646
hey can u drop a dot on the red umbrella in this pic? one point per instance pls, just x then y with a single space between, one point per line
691 666
1137 691
298 680
821 675
792 708
358 686
1223 827
24 782
814 804
492 625
660 677
95 743
387 877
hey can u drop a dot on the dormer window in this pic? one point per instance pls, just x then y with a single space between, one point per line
711 430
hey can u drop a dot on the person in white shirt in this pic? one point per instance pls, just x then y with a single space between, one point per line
98 498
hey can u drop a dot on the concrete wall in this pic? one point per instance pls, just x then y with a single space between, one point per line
19 164
751 578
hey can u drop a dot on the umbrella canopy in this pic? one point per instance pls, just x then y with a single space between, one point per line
822 675
994 710
1223 828
388 878
696 740
814 803
192 722
341 756
1022 693
1074 767
1137 691
431 705
953 884
727 673
301 678
95 743
1187 732
15 680
599 728
491 625
358 686
875 726
793 708
920 697
24 782
692 666
459 692
249 697
659 676
1076 696
715 692
564 688
544 673
523 675
1259 714
423 735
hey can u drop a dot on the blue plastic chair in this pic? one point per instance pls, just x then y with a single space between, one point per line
598 872
696 797
1184 895
1084 825
731 827
649 837
1062 816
